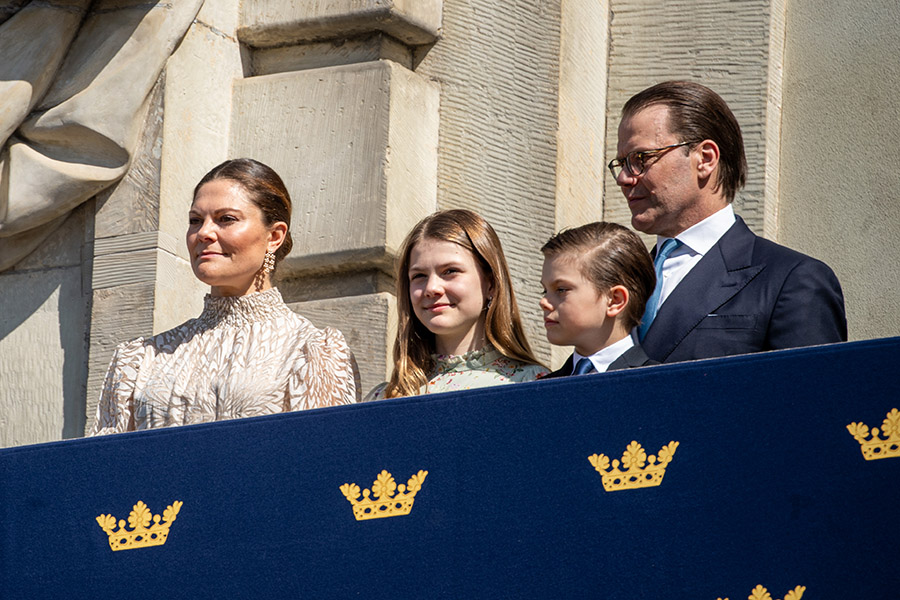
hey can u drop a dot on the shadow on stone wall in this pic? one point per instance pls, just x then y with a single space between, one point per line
43 339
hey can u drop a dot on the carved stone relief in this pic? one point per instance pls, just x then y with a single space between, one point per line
75 79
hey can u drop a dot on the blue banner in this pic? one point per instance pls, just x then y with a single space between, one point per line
714 479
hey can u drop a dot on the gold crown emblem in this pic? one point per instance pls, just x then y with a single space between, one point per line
142 534
387 504
761 593
635 474
879 447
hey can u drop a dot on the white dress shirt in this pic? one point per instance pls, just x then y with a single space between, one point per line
605 356
696 242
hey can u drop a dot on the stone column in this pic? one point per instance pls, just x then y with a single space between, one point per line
330 100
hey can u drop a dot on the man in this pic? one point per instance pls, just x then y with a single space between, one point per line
721 289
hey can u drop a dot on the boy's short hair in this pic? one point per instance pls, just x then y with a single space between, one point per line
609 255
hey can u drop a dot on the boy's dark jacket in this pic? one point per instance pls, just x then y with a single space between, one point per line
633 357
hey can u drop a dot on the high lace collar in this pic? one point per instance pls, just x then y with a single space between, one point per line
474 359
235 311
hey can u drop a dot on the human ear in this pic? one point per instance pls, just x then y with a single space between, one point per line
277 234
488 286
708 152
617 299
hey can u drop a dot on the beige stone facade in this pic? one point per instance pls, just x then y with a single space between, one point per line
377 114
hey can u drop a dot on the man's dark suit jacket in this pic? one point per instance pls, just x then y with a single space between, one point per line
633 357
748 294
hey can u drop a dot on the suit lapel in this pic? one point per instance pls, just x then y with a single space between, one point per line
723 272
633 357
564 370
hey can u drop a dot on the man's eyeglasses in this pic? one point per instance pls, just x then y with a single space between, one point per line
635 162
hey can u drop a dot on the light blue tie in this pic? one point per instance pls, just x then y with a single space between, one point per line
584 366
667 248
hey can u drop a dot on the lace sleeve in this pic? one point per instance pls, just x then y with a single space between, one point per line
325 374
115 411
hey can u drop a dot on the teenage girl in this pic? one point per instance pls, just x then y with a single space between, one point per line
458 324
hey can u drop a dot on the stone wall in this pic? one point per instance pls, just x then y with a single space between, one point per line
44 312
839 178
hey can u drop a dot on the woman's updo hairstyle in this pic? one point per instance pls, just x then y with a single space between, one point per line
264 188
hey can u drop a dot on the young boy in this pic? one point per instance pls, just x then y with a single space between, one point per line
597 279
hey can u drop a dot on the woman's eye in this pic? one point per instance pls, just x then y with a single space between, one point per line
193 220
227 218
414 276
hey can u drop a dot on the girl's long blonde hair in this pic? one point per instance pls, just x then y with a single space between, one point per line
414 344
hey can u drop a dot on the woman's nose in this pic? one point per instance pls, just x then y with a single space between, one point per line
206 231
434 286
545 305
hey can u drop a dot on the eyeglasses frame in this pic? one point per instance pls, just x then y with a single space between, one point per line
625 162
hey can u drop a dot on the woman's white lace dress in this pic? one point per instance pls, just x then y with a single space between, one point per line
243 356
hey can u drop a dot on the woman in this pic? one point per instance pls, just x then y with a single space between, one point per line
458 324
247 354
